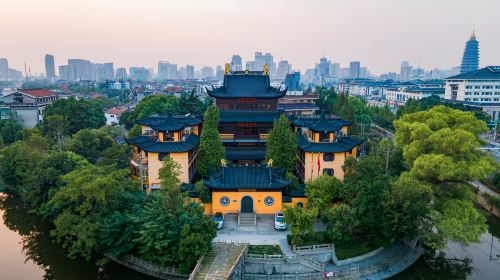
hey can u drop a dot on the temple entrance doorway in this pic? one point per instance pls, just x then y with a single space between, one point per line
246 205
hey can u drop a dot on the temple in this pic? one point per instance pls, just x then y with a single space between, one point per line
244 183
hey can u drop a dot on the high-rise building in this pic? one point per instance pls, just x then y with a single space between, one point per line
4 69
405 72
98 72
121 74
109 71
50 70
354 69
323 68
284 68
173 74
470 59
64 73
292 81
207 72
189 72
236 63
219 73
140 74
163 70
79 69
334 70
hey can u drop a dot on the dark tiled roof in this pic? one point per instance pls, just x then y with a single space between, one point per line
253 176
150 144
245 153
169 122
343 144
489 72
249 116
321 123
246 86
190 189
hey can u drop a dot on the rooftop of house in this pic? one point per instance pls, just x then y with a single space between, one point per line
247 176
297 106
320 123
38 93
488 72
169 122
118 110
246 85
151 144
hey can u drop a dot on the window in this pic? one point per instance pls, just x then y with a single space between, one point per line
328 171
468 87
161 156
300 204
328 157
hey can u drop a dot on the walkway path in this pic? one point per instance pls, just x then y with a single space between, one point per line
484 188
384 264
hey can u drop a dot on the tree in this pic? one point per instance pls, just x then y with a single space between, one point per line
89 195
326 99
119 154
301 222
322 191
341 221
446 141
409 205
90 144
281 145
151 105
17 163
211 149
47 177
78 114
10 131
56 126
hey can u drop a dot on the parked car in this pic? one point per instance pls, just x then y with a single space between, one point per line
219 219
279 221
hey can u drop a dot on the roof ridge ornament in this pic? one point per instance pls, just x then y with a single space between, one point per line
266 70
227 69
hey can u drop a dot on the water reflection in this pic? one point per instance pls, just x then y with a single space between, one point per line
39 250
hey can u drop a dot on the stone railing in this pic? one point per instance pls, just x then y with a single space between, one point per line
149 268
359 258
313 248
281 259
196 268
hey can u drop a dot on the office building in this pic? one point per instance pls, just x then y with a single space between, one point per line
479 88
354 69
140 74
405 71
236 63
79 69
207 72
109 71
470 59
121 74
284 68
219 73
4 69
50 70
189 72
292 81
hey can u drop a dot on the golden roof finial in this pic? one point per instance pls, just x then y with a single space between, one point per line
223 163
270 163
227 69
266 69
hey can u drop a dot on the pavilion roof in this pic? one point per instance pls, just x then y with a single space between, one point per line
150 144
247 176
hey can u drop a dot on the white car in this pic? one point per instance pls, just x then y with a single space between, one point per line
279 221
219 219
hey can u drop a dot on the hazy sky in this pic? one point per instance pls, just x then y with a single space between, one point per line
379 33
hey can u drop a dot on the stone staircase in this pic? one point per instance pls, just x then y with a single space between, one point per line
247 219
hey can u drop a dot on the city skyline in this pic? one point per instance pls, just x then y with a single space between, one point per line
142 35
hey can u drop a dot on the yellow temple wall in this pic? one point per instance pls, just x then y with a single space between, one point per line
296 200
154 165
258 201
311 162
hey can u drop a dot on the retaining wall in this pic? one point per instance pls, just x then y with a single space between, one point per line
358 258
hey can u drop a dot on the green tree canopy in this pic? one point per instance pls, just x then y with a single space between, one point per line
89 195
281 145
90 143
211 148
322 191
301 222
10 131
78 114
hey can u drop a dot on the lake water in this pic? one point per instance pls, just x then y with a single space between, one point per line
28 252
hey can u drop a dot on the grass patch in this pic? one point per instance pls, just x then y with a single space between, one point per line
264 250
315 239
345 251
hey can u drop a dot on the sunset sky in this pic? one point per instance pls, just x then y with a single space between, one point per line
379 33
